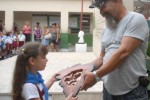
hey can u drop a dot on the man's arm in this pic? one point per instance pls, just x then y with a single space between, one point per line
128 45
99 61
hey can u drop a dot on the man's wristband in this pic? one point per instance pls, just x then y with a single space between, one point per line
96 77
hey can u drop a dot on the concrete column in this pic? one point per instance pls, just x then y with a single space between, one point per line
9 20
64 21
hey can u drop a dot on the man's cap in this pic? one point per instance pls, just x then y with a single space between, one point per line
96 3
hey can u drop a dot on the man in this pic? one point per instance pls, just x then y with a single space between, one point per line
121 64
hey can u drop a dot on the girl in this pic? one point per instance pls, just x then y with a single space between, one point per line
27 81
8 42
21 39
2 46
14 43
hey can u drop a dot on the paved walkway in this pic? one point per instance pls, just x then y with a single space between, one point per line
56 62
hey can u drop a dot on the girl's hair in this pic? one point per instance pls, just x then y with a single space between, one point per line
30 49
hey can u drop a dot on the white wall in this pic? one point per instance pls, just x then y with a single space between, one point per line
64 6
21 17
44 5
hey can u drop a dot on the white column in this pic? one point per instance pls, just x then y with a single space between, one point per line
64 21
9 20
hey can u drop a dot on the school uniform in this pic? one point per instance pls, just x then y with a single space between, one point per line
2 43
8 41
34 87
21 39
14 38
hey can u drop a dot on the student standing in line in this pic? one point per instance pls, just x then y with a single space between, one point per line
2 46
8 42
21 39
14 38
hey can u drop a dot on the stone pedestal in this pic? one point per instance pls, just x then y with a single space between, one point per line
81 47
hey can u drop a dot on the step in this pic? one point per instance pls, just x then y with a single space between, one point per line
60 96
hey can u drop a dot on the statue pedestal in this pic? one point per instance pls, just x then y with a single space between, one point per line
79 47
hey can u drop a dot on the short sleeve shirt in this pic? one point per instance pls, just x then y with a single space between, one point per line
21 37
125 77
30 91
8 40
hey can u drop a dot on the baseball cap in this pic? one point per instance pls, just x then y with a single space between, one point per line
96 3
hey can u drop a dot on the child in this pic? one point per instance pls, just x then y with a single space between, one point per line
3 38
8 42
27 81
14 37
2 46
21 39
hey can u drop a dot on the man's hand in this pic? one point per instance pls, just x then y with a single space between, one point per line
71 98
89 80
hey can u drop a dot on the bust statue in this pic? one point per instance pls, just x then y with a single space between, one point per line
81 35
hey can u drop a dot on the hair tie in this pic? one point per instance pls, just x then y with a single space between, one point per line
22 50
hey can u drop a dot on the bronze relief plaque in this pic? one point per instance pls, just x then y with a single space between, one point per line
71 78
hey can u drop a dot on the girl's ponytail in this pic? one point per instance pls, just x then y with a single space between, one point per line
19 76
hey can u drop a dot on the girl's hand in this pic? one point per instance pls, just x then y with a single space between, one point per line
50 82
53 78
71 98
